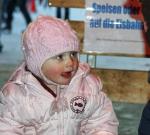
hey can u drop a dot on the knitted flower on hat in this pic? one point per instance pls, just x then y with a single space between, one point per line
47 37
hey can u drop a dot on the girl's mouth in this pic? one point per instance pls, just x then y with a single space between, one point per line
67 74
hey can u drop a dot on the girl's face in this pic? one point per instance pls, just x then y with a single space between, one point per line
61 68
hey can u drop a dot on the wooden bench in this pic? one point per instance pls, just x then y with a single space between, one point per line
120 85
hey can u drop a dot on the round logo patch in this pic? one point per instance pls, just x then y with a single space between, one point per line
77 104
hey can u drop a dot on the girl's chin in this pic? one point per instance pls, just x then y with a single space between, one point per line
63 81
66 82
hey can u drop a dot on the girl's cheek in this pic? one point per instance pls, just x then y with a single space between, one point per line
53 71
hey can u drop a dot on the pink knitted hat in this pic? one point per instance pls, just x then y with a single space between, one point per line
44 38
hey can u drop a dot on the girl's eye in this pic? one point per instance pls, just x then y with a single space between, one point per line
73 54
59 57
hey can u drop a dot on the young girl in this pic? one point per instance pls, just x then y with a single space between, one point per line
52 93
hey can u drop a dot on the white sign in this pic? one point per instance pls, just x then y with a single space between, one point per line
111 26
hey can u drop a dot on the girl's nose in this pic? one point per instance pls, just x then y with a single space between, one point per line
69 61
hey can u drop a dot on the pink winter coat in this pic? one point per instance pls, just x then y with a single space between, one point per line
81 108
